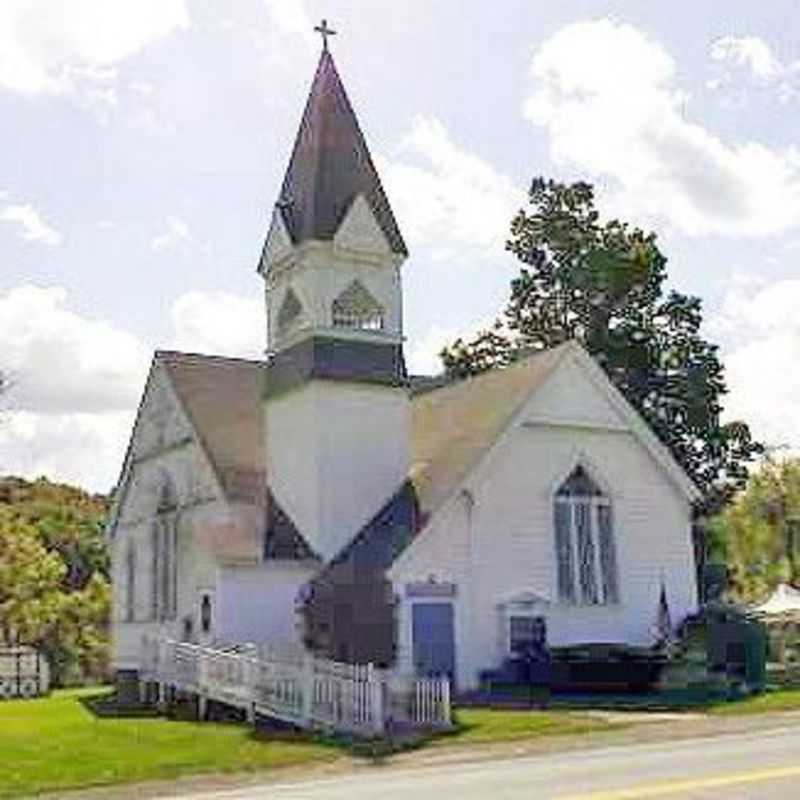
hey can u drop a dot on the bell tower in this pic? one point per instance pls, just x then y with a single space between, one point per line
336 397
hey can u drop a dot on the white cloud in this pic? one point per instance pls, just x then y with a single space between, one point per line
740 60
750 51
55 46
32 227
77 381
760 327
445 196
423 354
220 323
291 17
62 362
176 233
84 449
608 97
423 357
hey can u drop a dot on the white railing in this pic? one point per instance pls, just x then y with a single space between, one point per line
294 686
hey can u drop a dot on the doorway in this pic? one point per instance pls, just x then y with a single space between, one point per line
433 637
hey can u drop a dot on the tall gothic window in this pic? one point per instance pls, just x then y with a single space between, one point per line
356 308
584 541
164 591
163 551
130 582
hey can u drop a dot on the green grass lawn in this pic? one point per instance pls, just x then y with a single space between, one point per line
57 743
477 725
774 700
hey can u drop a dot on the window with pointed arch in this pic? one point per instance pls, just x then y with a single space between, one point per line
356 308
163 552
290 313
130 583
584 539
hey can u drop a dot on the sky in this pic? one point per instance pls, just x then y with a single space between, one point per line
144 142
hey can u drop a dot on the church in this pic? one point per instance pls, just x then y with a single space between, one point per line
324 497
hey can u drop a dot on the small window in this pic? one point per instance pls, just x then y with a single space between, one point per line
521 634
205 614
356 308
527 634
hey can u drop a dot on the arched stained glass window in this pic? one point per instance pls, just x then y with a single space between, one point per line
584 542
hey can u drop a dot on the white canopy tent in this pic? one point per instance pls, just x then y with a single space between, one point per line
784 600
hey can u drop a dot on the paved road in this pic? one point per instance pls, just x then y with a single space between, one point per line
763 765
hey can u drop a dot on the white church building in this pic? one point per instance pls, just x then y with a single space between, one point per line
324 496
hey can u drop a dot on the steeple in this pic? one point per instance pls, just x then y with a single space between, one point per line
332 255
330 166
336 403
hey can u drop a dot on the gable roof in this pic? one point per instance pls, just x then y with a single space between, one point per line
330 166
222 398
452 425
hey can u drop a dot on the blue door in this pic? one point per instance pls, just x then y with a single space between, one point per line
434 641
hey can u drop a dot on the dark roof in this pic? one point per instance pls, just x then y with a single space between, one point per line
386 535
330 166
282 539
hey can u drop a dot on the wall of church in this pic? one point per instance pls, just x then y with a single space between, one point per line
257 603
505 543
163 454
336 452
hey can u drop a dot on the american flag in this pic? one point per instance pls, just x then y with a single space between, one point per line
662 630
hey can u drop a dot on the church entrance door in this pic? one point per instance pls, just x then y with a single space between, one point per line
433 638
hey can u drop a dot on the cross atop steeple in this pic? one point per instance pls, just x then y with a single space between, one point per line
325 32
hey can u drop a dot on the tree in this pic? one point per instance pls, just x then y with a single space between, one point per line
757 534
54 582
603 284
30 583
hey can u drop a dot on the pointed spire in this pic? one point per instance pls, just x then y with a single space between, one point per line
330 166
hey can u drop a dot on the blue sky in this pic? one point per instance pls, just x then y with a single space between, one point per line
144 143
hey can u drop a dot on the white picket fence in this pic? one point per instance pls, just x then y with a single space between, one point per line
289 684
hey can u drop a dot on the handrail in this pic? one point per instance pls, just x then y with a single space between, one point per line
311 692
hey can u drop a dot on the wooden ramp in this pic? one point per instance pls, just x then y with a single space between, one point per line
288 684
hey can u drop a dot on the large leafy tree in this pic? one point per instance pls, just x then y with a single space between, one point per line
30 583
603 284
758 535
54 583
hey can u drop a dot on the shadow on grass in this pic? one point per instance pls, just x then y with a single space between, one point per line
692 698
377 749
105 705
